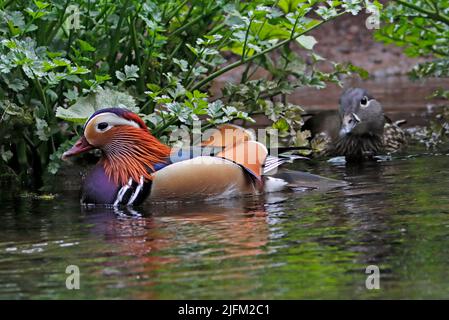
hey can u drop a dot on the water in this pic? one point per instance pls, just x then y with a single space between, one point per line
294 245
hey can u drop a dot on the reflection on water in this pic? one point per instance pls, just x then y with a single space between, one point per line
291 245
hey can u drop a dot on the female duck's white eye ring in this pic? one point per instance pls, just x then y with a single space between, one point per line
364 102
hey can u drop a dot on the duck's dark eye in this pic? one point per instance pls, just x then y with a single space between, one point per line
102 125
364 101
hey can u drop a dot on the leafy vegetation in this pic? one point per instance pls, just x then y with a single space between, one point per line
435 135
422 28
62 60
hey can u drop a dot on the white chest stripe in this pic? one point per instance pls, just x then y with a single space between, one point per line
136 192
122 192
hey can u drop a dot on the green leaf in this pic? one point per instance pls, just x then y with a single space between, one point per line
281 125
42 129
307 42
6 155
120 76
86 46
102 78
193 49
15 84
132 71
289 5
301 138
130 74
41 5
84 107
359 70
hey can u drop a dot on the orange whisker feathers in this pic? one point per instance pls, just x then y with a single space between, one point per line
132 153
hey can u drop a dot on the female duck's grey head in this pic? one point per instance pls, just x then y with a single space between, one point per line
361 125
360 113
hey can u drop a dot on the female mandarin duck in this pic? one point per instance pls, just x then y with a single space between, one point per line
359 130
135 165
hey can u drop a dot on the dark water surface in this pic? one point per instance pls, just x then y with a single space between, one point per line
304 244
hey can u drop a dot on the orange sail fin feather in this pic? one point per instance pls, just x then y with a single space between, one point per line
138 149
227 135
249 154
240 147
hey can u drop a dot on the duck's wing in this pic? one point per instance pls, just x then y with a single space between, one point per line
235 170
394 138
272 163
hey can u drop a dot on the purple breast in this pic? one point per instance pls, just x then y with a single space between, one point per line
97 188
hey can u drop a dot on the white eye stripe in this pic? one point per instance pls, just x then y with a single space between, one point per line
356 117
91 129
112 120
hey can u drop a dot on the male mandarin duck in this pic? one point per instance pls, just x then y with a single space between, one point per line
359 130
136 165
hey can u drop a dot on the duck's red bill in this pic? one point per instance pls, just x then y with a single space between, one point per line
80 146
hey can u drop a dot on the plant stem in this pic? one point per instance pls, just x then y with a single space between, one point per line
216 28
28 140
245 73
161 129
104 13
42 95
192 22
132 27
432 14
172 54
140 82
188 24
431 4
253 57
116 37
54 27
246 39
7 3
192 66
294 26
175 12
